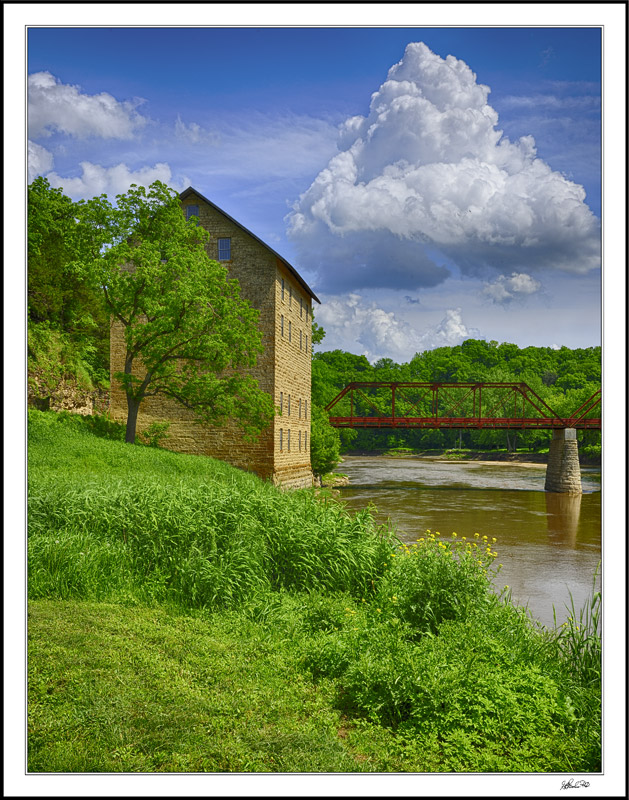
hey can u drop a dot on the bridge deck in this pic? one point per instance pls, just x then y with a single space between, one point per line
472 423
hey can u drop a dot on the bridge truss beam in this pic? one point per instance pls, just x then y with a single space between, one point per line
453 405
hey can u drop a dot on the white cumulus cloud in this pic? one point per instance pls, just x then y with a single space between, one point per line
505 289
54 106
356 326
96 180
428 172
40 160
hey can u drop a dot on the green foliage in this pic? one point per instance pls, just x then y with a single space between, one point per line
188 333
436 579
417 665
325 442
68 324
155 434
485 693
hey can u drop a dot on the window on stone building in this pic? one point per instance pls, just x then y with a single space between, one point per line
224 249
288 440
281 401
306 343
192 211
290 296
282 324
282 288
305 440
306 410
290 331
306 313
281 439
301 307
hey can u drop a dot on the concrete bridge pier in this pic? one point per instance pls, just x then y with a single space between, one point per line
563 473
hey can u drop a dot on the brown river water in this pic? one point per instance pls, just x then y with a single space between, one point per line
549 545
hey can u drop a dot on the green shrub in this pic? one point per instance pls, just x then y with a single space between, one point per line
436 579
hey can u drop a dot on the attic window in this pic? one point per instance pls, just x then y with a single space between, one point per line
224 249
192 211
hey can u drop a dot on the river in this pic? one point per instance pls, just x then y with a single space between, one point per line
549 545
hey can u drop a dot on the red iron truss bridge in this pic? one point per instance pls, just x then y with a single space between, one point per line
454 405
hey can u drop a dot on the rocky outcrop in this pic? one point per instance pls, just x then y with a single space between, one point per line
68 395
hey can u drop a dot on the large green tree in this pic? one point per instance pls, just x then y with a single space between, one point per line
188 333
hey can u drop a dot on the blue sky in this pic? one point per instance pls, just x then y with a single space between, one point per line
442 211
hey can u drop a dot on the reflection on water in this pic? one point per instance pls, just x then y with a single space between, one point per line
549 544
562 517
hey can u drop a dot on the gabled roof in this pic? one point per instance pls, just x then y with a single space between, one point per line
187 192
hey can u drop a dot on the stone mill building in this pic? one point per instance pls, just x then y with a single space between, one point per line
282 452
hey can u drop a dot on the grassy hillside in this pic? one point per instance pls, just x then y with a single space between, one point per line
186 616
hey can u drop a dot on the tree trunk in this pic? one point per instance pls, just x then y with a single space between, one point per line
133 407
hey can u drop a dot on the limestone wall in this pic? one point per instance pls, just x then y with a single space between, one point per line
293 323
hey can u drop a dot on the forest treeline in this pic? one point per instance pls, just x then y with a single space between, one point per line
563 378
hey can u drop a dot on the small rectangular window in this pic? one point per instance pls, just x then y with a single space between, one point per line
290 331
306 410
281 438
192 211
282 324
301 307
306 313
305 440
306 344
288 440
282 288
281 401
224 249
300 441
290 296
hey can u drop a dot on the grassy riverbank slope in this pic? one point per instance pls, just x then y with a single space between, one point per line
185 616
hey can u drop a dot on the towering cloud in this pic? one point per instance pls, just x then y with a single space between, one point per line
427 176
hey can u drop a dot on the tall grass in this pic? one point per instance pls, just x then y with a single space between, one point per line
193 539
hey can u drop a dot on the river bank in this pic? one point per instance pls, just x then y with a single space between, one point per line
483 456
